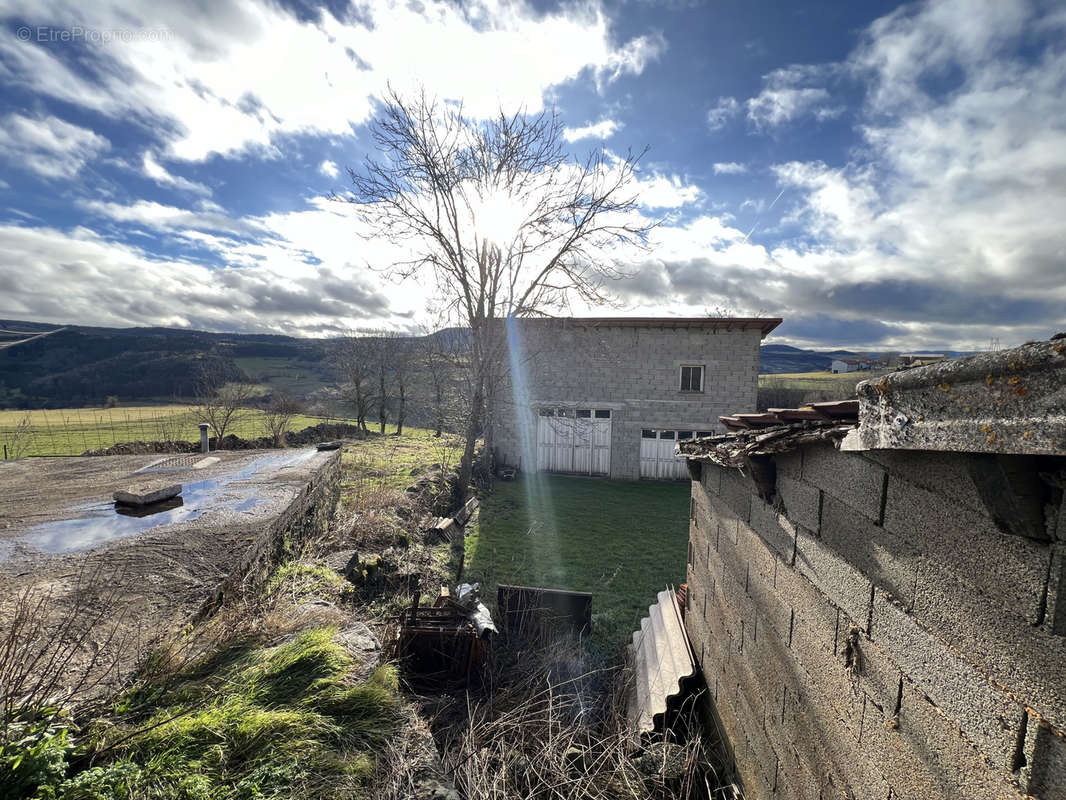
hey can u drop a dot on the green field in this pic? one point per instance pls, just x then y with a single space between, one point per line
624 541
289 375
823 379
72 431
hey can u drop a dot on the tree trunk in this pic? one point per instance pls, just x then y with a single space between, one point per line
440 411
382 412
466 464
401 411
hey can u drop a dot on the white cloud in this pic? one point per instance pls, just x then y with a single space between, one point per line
604 129
729 168
719 115
158 173
48 145
667 191
328 168
216 83
631 58
773 107
159 217
784 96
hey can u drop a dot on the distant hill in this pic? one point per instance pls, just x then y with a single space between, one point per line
80 365
776 358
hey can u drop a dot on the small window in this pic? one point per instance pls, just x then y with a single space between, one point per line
584 413
666 434
647 434
603 413
701 434
562 412
546 412
692 379
684 434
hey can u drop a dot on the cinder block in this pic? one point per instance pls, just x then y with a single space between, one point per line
871 669
943 473
737 492
711 478
790 464
985 715
735 561
760 757
802 502
1044 772
1055 614
923 754
1027 661
1009 568
885 558
777 530
814 618
852 477
839 581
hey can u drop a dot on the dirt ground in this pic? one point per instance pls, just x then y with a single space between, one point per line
125 582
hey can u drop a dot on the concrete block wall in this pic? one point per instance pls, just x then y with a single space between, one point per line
872 632
632 371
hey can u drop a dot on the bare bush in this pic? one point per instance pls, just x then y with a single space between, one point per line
539 734
20 440
221 403
58 649
279 416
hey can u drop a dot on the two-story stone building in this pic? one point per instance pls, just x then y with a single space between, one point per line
612 396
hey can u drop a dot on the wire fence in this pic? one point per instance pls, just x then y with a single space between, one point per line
74 431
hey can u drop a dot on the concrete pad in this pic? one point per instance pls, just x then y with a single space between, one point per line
143 494
150 574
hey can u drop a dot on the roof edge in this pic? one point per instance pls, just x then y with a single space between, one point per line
763 324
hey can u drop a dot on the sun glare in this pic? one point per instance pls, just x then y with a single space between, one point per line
496 216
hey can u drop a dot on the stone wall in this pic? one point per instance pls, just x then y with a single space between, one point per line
634 372
871 631
304 518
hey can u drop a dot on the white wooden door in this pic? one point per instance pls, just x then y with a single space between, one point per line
657 458
576 445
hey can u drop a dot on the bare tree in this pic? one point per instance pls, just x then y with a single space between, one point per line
437 360
352 360
221 403
504 221
279 415
381 373
398 362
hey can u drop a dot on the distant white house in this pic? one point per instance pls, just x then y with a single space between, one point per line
848 365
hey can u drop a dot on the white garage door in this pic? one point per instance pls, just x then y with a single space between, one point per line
657 459
576 442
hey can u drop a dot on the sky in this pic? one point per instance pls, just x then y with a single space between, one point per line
880 175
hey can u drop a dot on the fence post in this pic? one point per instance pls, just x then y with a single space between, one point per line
5 452
205 445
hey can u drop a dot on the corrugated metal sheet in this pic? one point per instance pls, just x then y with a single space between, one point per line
662 659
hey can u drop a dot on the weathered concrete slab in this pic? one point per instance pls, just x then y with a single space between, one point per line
1011 401
147 492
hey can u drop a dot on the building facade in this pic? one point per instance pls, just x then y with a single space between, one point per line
613 396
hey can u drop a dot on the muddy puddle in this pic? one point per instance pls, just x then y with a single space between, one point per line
96 523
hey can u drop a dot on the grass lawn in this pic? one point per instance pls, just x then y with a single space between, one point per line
392 461
72 431
624 541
